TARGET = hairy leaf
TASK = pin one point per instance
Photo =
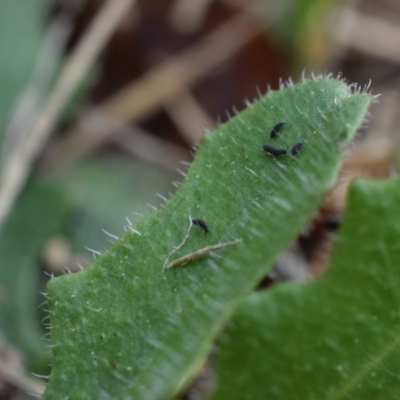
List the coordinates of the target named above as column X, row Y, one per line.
column 127, row 327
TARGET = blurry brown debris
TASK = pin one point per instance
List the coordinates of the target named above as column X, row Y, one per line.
column 369, row 34
column 13, row 376
column 158, row 87
column 372, row 157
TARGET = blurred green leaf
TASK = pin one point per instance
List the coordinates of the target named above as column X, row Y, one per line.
column 104, row 192
column 336, row 338
column 302, row 27
column 39, row 213
column 20, row 35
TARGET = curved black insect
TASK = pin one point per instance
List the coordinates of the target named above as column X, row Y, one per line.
column 276, row 129
column 199, row 222
column 296, row 148
column 274, row 151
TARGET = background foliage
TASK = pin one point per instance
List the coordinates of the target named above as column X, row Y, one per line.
column 90, row 137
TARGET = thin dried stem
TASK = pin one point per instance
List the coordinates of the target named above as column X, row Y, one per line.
column 176, row 248
column 19, row 380
column 201, row 252
column 18, row 166
column 158, row 86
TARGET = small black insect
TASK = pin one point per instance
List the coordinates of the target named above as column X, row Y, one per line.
column 201, row 224
column 273, row 150
column 296, row 148
column 276, row 129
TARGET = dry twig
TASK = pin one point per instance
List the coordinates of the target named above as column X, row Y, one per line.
column 19, row 164
column 158, row 86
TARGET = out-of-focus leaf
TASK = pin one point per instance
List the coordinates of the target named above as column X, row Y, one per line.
column 20, row 34
column 39, row 213
column 303, row 26
column 104, row 193
column 336, row 338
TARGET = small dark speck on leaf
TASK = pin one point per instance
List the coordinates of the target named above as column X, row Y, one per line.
column 199, row 222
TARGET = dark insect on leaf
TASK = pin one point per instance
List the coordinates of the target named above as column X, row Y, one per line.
column 276, row 129
column 273, row 150
column 296, row 148
column 201, row 224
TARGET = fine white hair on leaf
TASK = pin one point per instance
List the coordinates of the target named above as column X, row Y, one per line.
column 251, row 171
column 176, row 183
column 176, row 248
column 354, row 88
column 121, row 378
column 50, row 275
column 322, row 114
column 151, row 206
column 181, row 172
column 258, row 91
column 375, row 98
column 95, row 253
column 161, row 197
column 132, row 229
column 256, row 203
column 110, row 235
column 42, row 304
column 128, row 221
column 367, row 86
column 33, row 394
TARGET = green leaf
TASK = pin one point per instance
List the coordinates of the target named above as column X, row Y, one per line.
column 20, row 35
column 335, row 338
column 126, row 327
column 104, row 192
column 39, row 213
